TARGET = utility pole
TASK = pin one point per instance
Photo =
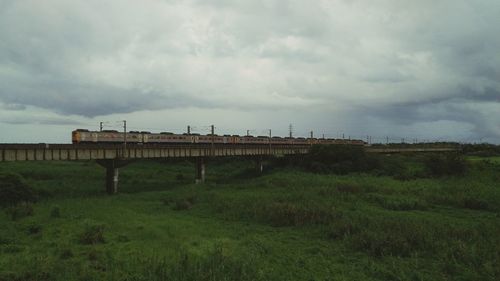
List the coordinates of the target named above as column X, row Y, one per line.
column 124, row 137
column 343, row 136
column 189, row 130
column 387, row 140
column 270, row 136
column 323, row 136
column 248, row 133
column 213, row 136
column 100, row 126
column 290, row 129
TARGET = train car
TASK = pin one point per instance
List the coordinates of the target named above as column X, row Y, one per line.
column 255, row 140
column 167, row 137
column 277, row 140
column 300, row 141
column 312, row 141
column 144, row 137
column 235, row 139
column 106, row 136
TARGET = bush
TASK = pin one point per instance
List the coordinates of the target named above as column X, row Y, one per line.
column 445, row 164
column 180, row 177
column 55, row 212
column 12, row 248
column 348, row 188
column 289, row 214
column 182, row 205
column 34, row 229
column 340, row 159
column 475, row 204
column 66, row 254
column 93, row 233
column 20, row 210
column 383, row 237
column 122, row 238
column 13, row 190
column 398, row 203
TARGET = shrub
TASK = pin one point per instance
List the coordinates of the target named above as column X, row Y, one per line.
column 185, row 203
column 93, row 233
column 445, row 164
column 182, row 205
column 398, row 203
column 12, row 248
column 20, row 210
column 386, row 236
column 343, row 228
column 34, row 229
column 289, row 214
column 340, row 159
column 122, row 238
column 180, row 177
column 166, row 201
column 475, row 204
column 348, row 188
column 93, row 254
column 55, row 212
column 66, row 254
column 13, row 190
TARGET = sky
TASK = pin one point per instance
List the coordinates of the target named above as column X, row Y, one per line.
column 389, row 69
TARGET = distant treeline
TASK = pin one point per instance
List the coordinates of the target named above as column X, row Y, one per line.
column 420, row 144
column 345, row 159
column 483, row 149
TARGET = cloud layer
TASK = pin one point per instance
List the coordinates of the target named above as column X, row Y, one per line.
column 389, row 64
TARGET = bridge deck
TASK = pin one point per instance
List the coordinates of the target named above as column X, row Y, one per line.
column 54, row 152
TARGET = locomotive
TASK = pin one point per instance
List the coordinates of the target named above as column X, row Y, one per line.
column 83, row 136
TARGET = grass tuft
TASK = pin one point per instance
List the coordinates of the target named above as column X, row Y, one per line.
column 21, row 210
column 92, row 233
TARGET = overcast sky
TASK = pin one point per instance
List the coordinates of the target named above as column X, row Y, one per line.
column 414, row 69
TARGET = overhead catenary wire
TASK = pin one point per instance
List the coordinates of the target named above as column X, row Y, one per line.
column 318, row 133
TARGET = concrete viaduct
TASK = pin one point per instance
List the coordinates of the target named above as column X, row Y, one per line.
column 114, row 156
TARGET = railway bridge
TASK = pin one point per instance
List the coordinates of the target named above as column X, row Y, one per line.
column 114, row 156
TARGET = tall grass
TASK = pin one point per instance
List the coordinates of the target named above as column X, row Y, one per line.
column 215, row 265
column 286, row 224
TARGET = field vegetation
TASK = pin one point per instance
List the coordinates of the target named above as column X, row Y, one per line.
column 336, row 214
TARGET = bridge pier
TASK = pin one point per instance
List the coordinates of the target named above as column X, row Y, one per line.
column 259, row 165
column 112, row 171
column 200, row 170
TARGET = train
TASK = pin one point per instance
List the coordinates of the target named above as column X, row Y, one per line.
column 84, row 136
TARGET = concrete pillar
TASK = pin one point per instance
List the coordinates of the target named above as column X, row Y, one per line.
column 259, row 165
column 112, row 172
column 111, row 179
column 200, row 170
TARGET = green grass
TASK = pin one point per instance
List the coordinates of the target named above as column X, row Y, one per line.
column 495, row 160
column 284, row 225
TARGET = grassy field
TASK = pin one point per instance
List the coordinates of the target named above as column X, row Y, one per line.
column 495, row 160
column 287, row 224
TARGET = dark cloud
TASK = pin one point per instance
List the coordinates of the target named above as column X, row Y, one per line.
column 13, row 107
column 30, row 120
column 90, row 100
column 399, row 63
